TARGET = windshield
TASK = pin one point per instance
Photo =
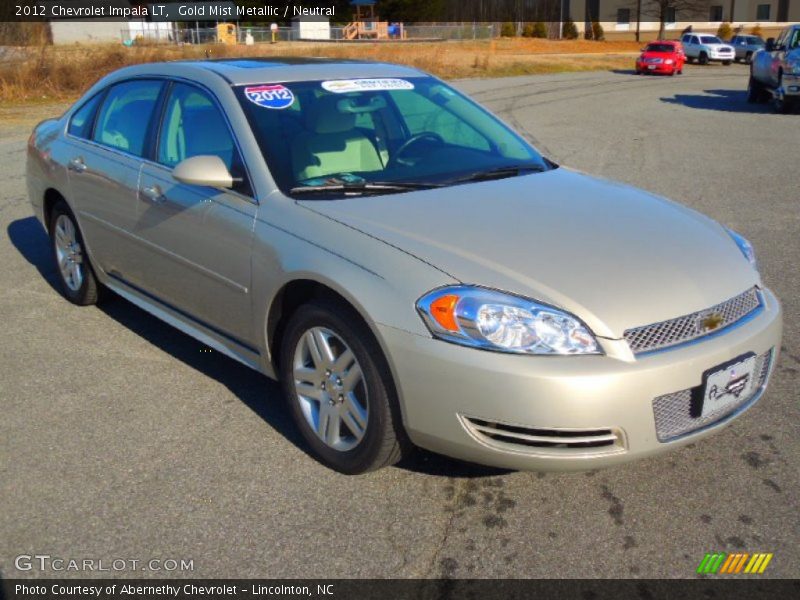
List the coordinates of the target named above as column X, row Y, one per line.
column 669, row 48
column 710, row 39
column 756, row 41
column 378, row 131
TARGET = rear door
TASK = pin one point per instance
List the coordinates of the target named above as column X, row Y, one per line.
column 106, row 140
column 196, row 240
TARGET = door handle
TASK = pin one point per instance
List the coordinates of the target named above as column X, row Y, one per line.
column 153, row 193
column 77, row 165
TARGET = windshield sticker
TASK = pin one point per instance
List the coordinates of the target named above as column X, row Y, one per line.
column 273, row 96
column 344, row 86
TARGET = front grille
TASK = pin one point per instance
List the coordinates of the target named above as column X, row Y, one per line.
column 539, row 440
column 689, row 327
column 673, row 412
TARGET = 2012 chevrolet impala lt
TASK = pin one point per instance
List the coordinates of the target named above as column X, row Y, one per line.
column 413, row 271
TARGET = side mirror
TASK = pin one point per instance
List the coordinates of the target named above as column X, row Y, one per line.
column 770, row 45
column 203, row 170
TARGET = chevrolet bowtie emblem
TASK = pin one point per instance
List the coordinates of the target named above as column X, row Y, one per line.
column 709, row 322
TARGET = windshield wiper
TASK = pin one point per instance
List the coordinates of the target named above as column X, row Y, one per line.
column 500, row 173
column 366, row 187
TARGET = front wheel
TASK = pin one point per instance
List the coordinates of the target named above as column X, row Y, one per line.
column 727, row 63
column 755, row 91
column 748, row 58
column 703, row 60
column 78, row 282
column 339, row 389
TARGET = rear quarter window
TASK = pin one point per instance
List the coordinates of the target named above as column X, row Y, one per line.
column 80, row 125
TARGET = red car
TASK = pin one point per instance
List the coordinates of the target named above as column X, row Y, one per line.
column 663, row 56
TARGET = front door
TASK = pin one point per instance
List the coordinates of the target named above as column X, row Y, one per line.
column 196, row 240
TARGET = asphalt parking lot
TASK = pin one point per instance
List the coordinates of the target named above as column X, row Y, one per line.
column 122, row 438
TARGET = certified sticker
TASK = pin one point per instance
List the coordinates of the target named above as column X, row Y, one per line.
column 344, row 86
column 273, row 96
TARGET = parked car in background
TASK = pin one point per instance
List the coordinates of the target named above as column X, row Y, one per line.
column 663, row 56
column 775, row 71
column 745, row 46
column 411, row 269
column 705, row 48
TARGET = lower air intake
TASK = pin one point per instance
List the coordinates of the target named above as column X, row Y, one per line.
column 540, row 440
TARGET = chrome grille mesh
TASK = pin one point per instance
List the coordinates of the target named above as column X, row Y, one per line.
column 688, row 327
column 673, row 411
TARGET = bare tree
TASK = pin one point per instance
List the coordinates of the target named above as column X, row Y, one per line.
column 659, row 10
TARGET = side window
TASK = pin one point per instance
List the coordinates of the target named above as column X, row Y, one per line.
column 194, row 126
column 80, row 125
column 125, row 115
column 794, row 40
column 422, row 115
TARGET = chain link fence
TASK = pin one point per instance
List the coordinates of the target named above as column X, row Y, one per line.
column 263, row 35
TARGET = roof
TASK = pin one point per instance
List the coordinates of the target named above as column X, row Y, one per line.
column 240, row 71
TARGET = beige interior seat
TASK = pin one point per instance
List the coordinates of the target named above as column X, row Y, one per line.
column 332, row 144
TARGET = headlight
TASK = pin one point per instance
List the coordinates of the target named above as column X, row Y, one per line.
column 745, row 246
column 483, row 318
column 668, row 61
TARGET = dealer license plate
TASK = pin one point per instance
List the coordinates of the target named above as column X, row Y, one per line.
column 729, row 384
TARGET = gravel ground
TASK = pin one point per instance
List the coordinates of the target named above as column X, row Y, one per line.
column 121, row 438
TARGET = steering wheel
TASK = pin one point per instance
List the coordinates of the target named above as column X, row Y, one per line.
column 429, row 135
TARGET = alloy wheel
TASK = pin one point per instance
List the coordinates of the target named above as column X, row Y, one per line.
column 69, row 253
column 330, row 389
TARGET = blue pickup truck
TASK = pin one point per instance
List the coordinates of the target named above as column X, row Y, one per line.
column 775, row 71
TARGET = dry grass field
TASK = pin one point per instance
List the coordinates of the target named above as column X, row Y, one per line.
column 62, row 72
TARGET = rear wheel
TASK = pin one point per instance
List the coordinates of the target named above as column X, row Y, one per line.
column 75, row 274
column 703, row 59
column 339, row 389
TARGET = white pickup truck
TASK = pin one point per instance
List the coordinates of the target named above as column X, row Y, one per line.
column 706, row 48
column 775, row 71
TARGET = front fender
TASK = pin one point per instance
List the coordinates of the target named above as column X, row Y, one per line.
column 381, row 282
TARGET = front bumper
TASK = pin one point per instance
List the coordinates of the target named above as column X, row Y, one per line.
column 722, row 56
column 655, row 67
column 791, row 85
column 449, row 392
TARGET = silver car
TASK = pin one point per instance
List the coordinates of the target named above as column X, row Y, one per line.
column 745, row 46
column 410, row 269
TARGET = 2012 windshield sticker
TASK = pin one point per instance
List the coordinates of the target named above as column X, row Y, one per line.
column 344, row 86
column 273, row 96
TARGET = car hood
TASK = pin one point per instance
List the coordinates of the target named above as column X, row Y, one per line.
column 614, row 255
column 718, row 46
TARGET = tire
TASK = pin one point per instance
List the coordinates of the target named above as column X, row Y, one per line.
column 727, row 63
column 349, row 418
column 748, row 58
column 690, row 60
column 75, row 274
column 703, row 58
column 755, row 91
column 781, row 103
